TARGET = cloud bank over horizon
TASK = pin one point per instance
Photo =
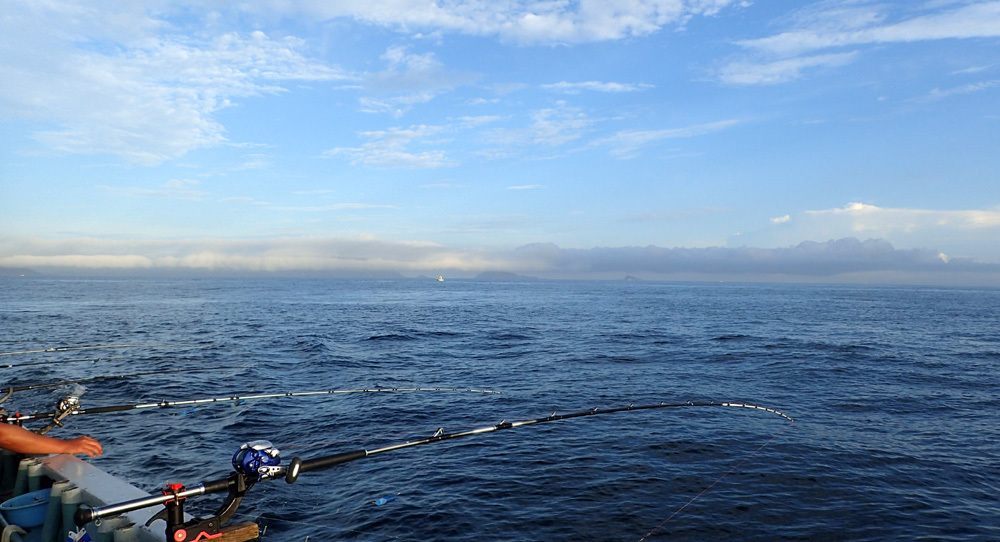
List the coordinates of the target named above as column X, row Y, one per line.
column 842, row 260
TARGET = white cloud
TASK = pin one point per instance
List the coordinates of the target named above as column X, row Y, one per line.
column 549, row 127
column 115, row 82
column 596, row 86
column 237, row 255
column 865, row 218
column 835, row 24
column 839, row 24
column 181, row 189
column 558, row 125
column 781, row 219
column 625, row 144
column 973, row 69
column 254, row 162
column 473, row 122
column 961, row 232
column 940, row 94
column 523, row 21
column 335, row 207
column 410, row 79
column 389, row 148
column 780, row 71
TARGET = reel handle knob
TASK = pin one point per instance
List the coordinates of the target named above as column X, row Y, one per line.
column 292, row 472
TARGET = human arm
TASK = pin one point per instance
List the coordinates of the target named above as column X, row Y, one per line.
column 20, row 440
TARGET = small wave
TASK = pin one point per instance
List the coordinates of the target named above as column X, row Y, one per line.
column 392, row 337
column 844, row 348
column 509, row 337
column 618, row 359
column 733, row 337
column 441, row 334
column 310, row 346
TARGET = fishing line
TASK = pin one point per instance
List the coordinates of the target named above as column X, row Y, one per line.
column 92, row 360
column 8, row 391
column 17, row 418
column 383, row 436
column 713, row 484
column 297, row 465
column 101, row 346
column 327, row 528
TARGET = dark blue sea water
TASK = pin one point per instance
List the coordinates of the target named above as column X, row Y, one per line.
column 894, row 392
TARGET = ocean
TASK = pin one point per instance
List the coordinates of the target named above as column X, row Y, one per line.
column 893, row 390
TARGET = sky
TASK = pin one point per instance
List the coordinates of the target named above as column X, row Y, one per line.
column 833, row 140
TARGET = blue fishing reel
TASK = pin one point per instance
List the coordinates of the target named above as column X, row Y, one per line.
column 256, row 460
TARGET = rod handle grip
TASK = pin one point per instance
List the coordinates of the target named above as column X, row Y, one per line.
column 83, row 515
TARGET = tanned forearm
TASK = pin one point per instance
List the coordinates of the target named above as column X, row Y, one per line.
column 20, row 440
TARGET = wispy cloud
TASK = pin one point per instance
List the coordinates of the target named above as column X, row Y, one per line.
column 254, row 162
column 548, row 128
column 838, row 24
column 780, row 71
column 473, row 122
column 523, row 21
column 940, row 94
column 559, row 125
column 973, row 69
column 246, row 199
column 596, row 86
column 333, row 207
column 181, row 189
column 115, row 83
column 833, row 25
column 390, row 148
column 626, row 143
column 408, row 80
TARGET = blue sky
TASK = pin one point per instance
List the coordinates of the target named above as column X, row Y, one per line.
column 829, row 140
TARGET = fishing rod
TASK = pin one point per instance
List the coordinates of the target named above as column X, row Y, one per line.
column 75, row 410
column 103, row 346
column 66, row 405
column 260, row 460
column 92, row 360
column 9, row 391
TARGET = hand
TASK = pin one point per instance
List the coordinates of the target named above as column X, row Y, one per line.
column 84, row 445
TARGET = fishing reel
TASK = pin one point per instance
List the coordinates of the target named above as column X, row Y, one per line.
column 257, row 459
column 65, row 407
column 254, row 461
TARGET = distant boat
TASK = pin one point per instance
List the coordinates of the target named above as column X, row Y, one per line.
column 440, row 278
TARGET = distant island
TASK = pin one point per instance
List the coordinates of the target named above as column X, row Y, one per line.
column 502, row 275
column 630, row 278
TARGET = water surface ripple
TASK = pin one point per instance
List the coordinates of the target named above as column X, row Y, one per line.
column 893, row 389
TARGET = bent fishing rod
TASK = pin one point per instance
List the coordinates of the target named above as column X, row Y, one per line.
column 260, row 460
column 94, row 360
column 72, row 407
column 103, row 346
column 66, row 405
column 9, row 390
